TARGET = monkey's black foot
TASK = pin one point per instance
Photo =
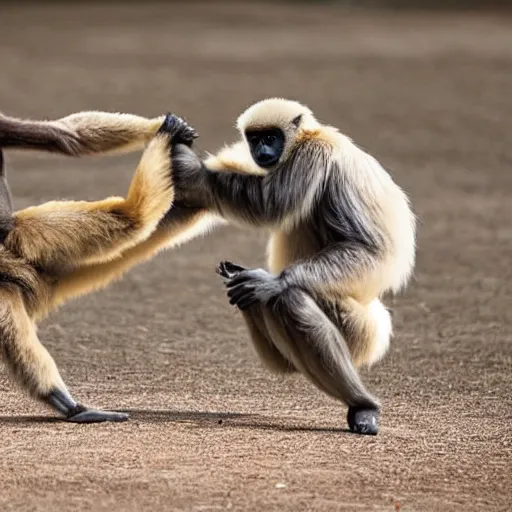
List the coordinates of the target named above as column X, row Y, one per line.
column 178, row 130
column 84, row 415
column 228, row 270
column 363, row 421
column 63, row 402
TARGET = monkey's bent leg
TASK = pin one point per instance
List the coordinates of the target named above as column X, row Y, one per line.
column 34, row 369
column 304, row 334
column 78, row 134
column 260, row 336
column 73, row 233
column 266, row 349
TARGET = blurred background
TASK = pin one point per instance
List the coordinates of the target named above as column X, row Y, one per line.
column 423, row 86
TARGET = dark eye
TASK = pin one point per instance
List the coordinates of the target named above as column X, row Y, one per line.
column 269, row 139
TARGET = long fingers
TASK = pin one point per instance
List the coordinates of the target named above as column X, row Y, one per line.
column 242, row 296
column 228, row 270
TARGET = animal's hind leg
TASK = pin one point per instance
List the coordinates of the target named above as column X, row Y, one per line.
column 304, row 334
column 262, row 341
column 58, row 234
column 265, row 348
column 178, row 226
column 34, row 369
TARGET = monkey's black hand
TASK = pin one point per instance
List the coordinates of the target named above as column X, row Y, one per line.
column 178, row 130
column 228, row 270
column 249, row 287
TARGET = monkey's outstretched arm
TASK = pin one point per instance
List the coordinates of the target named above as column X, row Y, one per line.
column 58, row 236
column 266, row 199
column 83, row 133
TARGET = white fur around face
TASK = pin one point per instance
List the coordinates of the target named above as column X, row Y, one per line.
column 276, row 112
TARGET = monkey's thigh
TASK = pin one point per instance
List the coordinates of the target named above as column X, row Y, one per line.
column 262, row 341
column 304, row 334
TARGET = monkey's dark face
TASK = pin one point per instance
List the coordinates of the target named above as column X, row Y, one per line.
column 266, row 146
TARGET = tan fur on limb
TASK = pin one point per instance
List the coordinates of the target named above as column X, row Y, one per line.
column 81, row 133
column 179, row 226
column 84, row 232
column 53, row 241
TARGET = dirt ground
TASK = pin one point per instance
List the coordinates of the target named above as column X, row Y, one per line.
column 430, row 96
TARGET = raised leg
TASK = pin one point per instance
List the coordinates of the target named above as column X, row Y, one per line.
column 82, row 133
column 62, row 235
column 178, row 225
column 34, row 369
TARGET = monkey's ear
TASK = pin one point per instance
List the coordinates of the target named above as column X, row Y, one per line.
column 296, row 121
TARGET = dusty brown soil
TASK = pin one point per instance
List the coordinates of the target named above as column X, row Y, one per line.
column 430, row 95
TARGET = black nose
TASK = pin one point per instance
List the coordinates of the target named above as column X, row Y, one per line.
column 266, row 157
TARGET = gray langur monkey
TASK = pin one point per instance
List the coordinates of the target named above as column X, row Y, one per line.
column 342, row 234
